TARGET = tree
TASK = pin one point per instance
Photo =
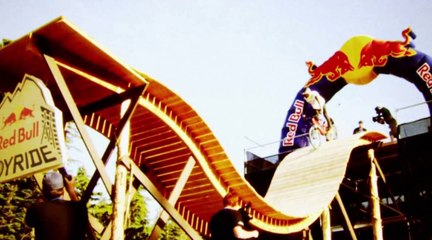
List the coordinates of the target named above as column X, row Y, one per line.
column 137, row 227
column 5, row 42
column 15, row 197
column 173, row 231
column 98, row 206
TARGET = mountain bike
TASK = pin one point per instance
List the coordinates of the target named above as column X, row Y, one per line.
column 321, row 130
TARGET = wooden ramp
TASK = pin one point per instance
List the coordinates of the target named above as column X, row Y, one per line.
column 174, row 154
column 307, row 180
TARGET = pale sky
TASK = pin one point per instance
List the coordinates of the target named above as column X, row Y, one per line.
column 240, row 63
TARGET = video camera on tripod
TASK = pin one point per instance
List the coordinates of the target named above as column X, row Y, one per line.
column 378, row 119
column 244, row 211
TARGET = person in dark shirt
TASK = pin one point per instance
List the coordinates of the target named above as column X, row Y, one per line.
column 54, row 217
column 384, row 116
column 360, row 128
column 228, row 223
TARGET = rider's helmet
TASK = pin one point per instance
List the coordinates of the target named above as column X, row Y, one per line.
column 307, row 94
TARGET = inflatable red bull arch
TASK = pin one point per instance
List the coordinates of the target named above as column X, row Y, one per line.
column 359, row 61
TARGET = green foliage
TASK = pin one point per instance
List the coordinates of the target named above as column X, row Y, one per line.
column 173, row 231
column 98, row 206
column 5, row 42
column 101, row 209
column 15, row 197
column 137, row 221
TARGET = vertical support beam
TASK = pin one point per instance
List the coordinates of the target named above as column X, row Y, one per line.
column 78, row 121
column 375, row 201
column 134, row 96
column 175, row 194
column 157, row 195
column 119, row 206
column 326, row 224
column 345, row 214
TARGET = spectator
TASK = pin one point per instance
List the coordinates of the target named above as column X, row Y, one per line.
column 54, row 217
column 360, row 128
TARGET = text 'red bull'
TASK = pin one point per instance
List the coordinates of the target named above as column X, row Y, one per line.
column 292, row 123
column 19, row 135
column 424, row 72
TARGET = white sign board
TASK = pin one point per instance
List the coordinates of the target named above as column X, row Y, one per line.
column 31, row 131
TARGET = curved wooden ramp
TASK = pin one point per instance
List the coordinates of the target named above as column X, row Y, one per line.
column 307, row 180
column 174, row 154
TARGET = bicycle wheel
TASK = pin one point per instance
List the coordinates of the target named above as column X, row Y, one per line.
column 332, row 134
column 314, row 137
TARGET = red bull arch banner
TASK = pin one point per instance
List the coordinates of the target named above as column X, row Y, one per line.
column 359, row 61
column 31, row 131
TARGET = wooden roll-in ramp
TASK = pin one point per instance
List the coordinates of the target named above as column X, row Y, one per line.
column 173, row 153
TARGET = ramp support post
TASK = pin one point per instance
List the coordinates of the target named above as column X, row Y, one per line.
column 119, row 206
column 375, row 200
column 163, row 217
column 326, row 224
column 346, row 217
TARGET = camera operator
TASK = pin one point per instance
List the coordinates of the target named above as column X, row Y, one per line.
column 384, row 116
column 229, row 223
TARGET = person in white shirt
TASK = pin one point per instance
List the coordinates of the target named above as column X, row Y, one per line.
column 318, row 103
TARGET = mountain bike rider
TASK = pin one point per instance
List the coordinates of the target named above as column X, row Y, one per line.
column 318, row 103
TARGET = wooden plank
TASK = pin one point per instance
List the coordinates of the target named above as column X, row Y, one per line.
column 308, row 179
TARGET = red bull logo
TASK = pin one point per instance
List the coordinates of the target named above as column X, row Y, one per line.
column 357, row 58
column 376, row 52
column 26, row 113
column 12, row 118
column 424, row 71
column 292, row 123
column 31, row 137
column 333, row 68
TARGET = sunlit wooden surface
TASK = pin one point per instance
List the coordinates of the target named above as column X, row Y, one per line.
column 166, row 132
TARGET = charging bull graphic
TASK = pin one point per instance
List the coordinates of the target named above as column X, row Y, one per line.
column 26, row 113
column 359, row 61
column 11, row 119
column 377, row 52
column 334, row 68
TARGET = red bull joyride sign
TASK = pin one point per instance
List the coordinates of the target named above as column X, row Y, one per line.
column 31, row 131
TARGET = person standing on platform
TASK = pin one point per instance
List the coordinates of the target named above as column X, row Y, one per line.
column 228, row 223
column 54, row 217
column 384, row 116
column 360, row 128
